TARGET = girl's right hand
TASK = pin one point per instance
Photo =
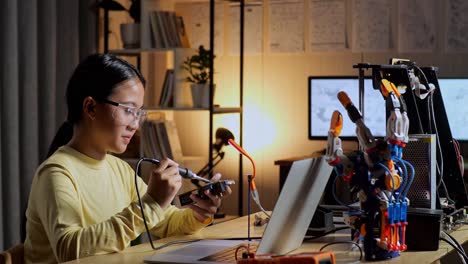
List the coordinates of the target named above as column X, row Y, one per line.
column 164, row 182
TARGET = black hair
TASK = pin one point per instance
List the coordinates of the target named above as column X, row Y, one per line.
column 96, row 76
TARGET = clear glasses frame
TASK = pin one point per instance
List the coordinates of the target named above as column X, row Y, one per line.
column 129, row 115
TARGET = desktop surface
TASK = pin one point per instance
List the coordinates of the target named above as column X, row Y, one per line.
column 238, row 228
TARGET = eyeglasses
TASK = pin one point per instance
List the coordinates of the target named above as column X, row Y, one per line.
column 125, row 114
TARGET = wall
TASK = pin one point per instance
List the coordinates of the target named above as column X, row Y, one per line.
column 276, row 96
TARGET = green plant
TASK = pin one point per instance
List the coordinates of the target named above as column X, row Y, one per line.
column 134, row 10
column 198, row 66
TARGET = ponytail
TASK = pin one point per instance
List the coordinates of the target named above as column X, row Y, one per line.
column 63, row 136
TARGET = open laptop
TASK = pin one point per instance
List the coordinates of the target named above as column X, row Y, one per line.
column 287, row 227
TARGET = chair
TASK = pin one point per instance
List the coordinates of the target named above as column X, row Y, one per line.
column 13, row 255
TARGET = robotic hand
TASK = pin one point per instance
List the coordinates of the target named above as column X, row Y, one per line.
column 398, row 122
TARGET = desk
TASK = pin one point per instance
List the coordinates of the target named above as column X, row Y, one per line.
column 238, row 228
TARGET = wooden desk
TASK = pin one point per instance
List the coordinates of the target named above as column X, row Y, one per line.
column 238, row 228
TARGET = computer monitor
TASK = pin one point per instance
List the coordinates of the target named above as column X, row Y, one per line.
column 455, row 95
column 323, row 101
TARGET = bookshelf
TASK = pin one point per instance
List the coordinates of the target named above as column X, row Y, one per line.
column 176, row 55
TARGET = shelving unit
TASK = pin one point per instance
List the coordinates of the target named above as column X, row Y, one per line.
column 212, row 109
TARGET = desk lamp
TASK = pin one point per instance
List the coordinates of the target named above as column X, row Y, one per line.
column 222, row 136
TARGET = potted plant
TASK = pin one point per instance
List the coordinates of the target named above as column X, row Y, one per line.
column 130, row 32
column 198, row 69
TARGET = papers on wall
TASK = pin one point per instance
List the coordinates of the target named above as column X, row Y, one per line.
column 200, row 27
column 286, row 26
column 371, row 25
column 416, row 26
column 253, row 29
column 327, row 25
column 457, row 26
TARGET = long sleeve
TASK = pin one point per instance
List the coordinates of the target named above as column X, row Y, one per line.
column 60, row 211
column 79, row 207
column 175, row 222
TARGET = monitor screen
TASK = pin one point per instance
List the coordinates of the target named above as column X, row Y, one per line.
column 323, row 101
column 455, row 97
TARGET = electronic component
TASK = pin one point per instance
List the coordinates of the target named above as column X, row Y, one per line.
column 455, row 219
column 417, row 236
column 216, row 188
column 323, row 257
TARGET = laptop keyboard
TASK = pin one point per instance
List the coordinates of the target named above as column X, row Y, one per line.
column 228, row 254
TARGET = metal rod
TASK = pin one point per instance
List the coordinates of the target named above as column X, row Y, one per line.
column 211, row 74
column 241, row 102
column 106, row 31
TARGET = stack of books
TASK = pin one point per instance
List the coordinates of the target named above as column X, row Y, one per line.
column 167, row 30
column 161, row 139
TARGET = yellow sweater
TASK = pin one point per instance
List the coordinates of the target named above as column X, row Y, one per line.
column 79, row 206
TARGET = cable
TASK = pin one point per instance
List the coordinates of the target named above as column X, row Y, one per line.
column 405, row 176
column 423, row 74
column 391, row 176
column 141, row 205
column 460, row 253
column 459, row 247
column 447, row 193
column 344, row 242
column 455, row 241
column 326, row 233
column 440, row 169
column 412, row 176
column 441, row 172
column 338, row 200
column 459, row 156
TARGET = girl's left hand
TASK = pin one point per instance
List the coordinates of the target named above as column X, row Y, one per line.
column 204, row 209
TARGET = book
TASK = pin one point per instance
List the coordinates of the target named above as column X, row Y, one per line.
column 164, row 140
column 181, row 31
column 167, row 90
column 170, row 28
column 174, row 140
column 164, row 88
column 162, row 28
column 156, row 34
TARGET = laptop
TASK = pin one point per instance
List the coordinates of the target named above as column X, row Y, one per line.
column 288, row 224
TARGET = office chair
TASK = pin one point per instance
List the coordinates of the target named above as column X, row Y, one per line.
column 13, row 255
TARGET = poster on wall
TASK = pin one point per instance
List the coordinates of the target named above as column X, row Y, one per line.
column 457, row 26
column 327, row 25
column 416, row 26
column 253, row 29
column 200, row 26
column 371, row 25
column 286, row 26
